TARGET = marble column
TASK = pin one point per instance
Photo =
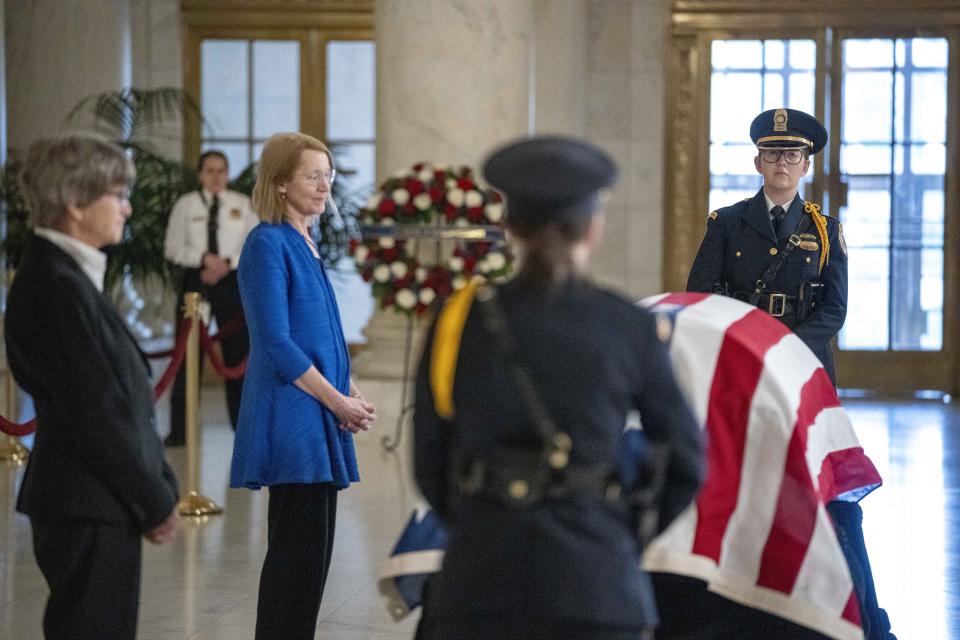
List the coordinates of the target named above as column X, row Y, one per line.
column 454, row 80
column 57, row 53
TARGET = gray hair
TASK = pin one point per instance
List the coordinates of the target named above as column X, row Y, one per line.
column 73, row 169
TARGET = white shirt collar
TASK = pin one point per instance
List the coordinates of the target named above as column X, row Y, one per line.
column 91, row 260
column 771, row 204
column 208, row 196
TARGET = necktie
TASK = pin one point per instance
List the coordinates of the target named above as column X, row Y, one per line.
column 777, row 212
column 212, row 246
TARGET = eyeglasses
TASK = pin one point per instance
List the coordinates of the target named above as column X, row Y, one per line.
column 122, row 195
column 316, row 178
column 790, row 156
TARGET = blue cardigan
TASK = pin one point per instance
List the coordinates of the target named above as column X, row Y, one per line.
column 285, row 435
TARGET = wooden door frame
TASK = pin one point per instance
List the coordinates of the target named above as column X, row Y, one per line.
column 694, row 25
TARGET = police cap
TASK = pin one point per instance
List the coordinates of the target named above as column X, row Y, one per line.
column 549, row 177
column 788, row 128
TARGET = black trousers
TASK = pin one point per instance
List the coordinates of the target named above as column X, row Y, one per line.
column 224, row 298
column 301, row 522
column 93, row 571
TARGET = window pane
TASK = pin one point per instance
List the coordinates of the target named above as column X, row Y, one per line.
column 928, row 159
column 276, row 87
column 773, row 54
column 774, row 95
column 866, row 218
column 733, row 159
column 223, row 87
column 869, row 294
column 868, row 54
column 730, row 118
column 351, row 96
column 929, row 124
column 867, row 107
column 356, row 170
column 238, row 154
column 929, row 52
column 803, row 54
column 737, row 54
column 918, row 314
column 867, row 159
column 802, row 92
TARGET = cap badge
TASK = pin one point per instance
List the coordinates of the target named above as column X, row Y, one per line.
column 780, row 120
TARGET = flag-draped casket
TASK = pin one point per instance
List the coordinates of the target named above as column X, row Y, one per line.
column 779, row 447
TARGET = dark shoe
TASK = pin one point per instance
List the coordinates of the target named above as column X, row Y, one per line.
column 170, row 441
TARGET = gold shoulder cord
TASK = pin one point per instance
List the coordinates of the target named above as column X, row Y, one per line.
column 820, row 221
column 446, row 347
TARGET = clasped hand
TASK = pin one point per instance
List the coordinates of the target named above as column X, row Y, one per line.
column 355, row 413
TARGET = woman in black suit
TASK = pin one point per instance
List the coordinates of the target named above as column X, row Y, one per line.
column 96, row 481
column 518, row 424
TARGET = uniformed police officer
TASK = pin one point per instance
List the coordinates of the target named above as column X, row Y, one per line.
column 776, row 250
column 205, row 234
column 782, row 254
column 522, row 395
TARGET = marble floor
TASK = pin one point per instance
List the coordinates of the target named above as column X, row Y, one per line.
column 204, row 585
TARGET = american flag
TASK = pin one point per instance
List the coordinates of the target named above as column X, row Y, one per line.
column 780, row 447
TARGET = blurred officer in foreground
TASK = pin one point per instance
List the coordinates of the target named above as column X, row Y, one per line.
column 96, row 481
column 522, row 396
column 776, row 250
column 782, row 254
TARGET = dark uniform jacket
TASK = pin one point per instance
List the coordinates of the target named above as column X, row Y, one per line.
column 739, row 246
column 593, row 358
column 97, row 454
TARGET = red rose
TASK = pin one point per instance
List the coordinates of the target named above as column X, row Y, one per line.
column 409, row 209
column 475, row 214
column 469, row 263
column 436, row 194
column 366, row 274
column 414, row 187
column 420, row 308
column 465, row 184
column 353, row 244
column 449, row 211
column 389, row 255
column 439, row 176
column 494, row 196
column 387, row 207
column 418, row 167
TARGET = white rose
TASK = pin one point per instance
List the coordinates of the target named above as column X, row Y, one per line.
column 427, row 295
column 399, row 269
column 461, row 222
column 455, row 263
column 483, row 266
column 387, row 222
column 420, row 274
column 496, row 260
column 374, row 201
column 360, row 254
column 451, row 183
column 400, row 196
column 473, row 198
column 455, row 197
column 400, row 174
column 459, row 283
column 494, row 211
column 422, row 201
column 425, row 175
column 406, row 299
column 381, row 273
column 387, row 242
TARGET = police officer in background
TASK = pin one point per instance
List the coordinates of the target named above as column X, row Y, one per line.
column 776, row 250
column 204, row 237
column 782, row 254
column 522, row 395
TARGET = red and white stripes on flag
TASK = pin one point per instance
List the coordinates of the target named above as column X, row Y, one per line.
column 779, row 447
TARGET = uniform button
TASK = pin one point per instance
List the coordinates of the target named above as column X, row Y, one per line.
column 773, row 251
column 808, row 258
column 738, row 254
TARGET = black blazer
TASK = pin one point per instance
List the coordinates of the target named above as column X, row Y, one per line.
column 594, row 357
column 97, row 454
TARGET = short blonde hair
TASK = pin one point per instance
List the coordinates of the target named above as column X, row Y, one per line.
column 73, row 169
column 278, row 160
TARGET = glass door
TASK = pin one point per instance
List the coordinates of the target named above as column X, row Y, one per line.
column 890, row 135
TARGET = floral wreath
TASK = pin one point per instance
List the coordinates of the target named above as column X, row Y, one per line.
column 434, row 196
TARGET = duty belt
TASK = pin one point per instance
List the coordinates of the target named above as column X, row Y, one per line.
column 776, row 304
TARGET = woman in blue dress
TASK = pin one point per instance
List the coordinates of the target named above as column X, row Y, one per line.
column 299, row 408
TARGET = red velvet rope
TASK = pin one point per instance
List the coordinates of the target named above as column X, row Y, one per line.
column 17, row 430
column 227, row 373
column 181, row 331
column 178, row 353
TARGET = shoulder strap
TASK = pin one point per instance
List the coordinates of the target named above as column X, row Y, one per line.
column 774, row 267
column 446, row 347
column 820, row 221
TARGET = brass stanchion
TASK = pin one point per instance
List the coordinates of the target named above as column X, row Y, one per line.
column 194, row 504
column 10, row 448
